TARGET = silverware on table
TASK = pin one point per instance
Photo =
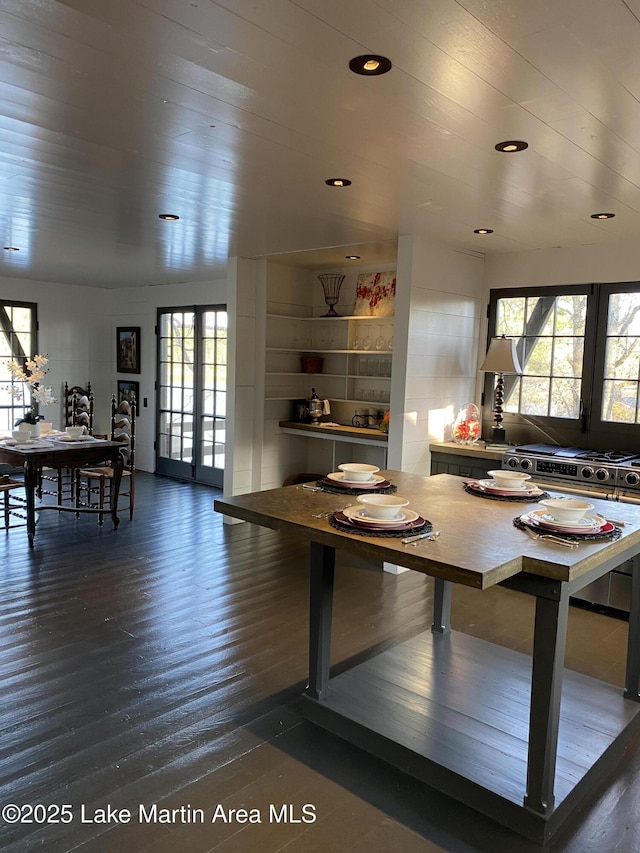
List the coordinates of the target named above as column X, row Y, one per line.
column 550, row 537
column 616, row 522
column 330, row 511
column 432, row 534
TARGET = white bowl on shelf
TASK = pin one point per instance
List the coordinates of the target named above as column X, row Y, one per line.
column 382, row 506
column 506, row 479
column 567, row 510
column 358, row 472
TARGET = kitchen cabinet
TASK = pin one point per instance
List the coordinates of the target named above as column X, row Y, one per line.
column 464, row 460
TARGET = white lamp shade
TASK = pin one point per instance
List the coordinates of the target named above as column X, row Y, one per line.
column 501, row 357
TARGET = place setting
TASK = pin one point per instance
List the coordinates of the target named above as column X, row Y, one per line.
column 382, row 516
column 568, row 519
column 355, row 478
column 23, row 439
column 505, row 485
column 73, row 434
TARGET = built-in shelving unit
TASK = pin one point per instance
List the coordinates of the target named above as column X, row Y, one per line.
column 356, row 353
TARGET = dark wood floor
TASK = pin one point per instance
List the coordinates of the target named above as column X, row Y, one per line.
column 163, row 663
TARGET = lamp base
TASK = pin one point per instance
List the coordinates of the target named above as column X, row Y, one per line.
column 498, row 435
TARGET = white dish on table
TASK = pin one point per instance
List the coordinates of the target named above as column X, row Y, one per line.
column 566, row 510
column 383, row 506
column 360, row 514
column 358, row 472
column 588, row 524
column 507, row 479
column 340, row 477
column 492, row 486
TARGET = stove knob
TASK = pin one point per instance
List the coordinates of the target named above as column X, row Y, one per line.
column 602, row 474
column 632, row 479
column 526, row 464
column 587, row 472
column 512, row 462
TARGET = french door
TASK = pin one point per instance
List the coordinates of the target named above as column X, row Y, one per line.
column 192, row 393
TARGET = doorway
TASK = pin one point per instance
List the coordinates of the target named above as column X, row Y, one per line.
column 192, row 393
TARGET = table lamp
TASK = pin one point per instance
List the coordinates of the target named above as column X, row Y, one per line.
column 501, row 358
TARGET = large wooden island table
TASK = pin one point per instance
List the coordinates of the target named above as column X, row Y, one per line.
column 519, row 738
column 59, row 455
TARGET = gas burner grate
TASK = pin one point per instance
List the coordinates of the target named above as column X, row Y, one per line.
column 613, row 457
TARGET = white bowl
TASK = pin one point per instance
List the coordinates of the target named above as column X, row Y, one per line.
column 506, row 479
column 45, row 427
column 382, row 506
column 567, row 510
column 74, row 431
column 21, row 436
column 358, row 472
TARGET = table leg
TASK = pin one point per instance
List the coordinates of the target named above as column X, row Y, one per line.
column 117, row 464
column 322, row 562
column 549, row 641
column 441, row 606
column 632, row 679
column 31, row 476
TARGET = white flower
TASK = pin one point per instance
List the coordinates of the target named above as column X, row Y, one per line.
column 31, row 374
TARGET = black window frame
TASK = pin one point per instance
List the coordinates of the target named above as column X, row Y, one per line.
column 588, row 430
column 17, row 409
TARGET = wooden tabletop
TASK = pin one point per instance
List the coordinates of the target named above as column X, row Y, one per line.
column 479, row 545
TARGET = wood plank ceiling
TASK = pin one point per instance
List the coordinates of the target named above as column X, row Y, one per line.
column 232, row 114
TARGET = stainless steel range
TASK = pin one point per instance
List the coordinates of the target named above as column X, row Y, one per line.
column 611, row 475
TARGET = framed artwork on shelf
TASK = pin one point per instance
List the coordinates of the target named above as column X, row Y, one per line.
column 127, row 390
column 375, row 294
column 128, row 349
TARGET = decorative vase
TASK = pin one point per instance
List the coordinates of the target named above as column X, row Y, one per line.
column 331, row 284
column 466, row 428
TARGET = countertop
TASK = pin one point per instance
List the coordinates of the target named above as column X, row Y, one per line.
column 337, row 430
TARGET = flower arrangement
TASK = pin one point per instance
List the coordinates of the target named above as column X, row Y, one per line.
column 384, row 423
column 467, row 426
column 30, row 374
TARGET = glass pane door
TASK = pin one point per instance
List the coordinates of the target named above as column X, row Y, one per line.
column 192, row 359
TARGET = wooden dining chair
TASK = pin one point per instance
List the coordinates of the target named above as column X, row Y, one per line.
column 95, row 483
column 77, row 410
column 12, row 504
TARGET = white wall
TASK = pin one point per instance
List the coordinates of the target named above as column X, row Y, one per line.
column 438, row 310
column 575, row 265
column 77, row 330
column 137, row 306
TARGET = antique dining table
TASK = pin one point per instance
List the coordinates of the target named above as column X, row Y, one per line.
column 517, row 737
column 58, row 454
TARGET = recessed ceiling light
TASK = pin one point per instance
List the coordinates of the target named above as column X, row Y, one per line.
column 338, row 182
column 602, row 215
column 352, row 257
column 370, row 65
column 511, row 145
column 483, row 230
column 169, row 217
column 11, row 249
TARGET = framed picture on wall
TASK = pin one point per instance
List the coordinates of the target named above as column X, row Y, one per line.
column 127, row 391
column 128, row 349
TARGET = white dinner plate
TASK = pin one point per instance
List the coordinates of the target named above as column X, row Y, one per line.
column 339, row 477
column 70, row 438
column 404, row 516
column 492, row 486
column 587, row 524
